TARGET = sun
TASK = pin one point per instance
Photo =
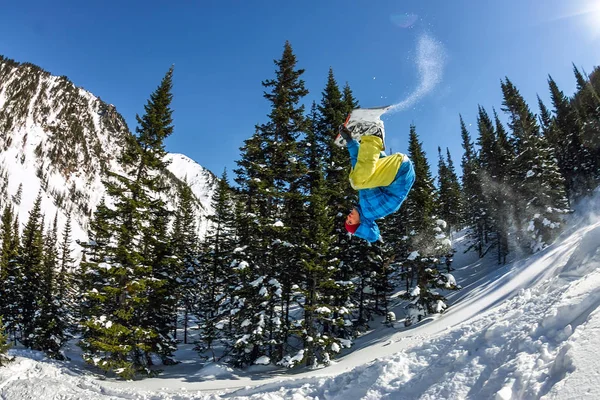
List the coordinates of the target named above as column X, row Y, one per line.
column 584, row 13
column 587, row 12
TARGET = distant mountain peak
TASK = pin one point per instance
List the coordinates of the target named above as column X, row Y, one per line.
column 60, row 140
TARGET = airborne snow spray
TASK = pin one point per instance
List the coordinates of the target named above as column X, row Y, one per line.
column 430, row 61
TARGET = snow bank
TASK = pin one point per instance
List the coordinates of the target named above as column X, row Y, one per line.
column 530, row 329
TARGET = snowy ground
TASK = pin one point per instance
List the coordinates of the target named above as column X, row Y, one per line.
column 527, row 330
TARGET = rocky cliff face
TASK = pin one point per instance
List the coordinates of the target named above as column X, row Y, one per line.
column 60, row 140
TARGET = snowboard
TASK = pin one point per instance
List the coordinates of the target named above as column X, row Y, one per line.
column 363, row 121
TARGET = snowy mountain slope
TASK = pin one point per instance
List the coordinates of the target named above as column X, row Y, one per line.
column 60, row 140
column 202, row 182
column 528, row 330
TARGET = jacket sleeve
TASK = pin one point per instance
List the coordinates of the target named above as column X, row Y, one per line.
column 353, row 150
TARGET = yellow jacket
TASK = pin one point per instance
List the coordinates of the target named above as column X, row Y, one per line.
column 370, row 169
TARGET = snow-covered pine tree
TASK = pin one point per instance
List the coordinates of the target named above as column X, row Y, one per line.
column 219, row 244
column 269, row 174
column 11, row 274
column 427, row 242
column 454, row 196
column 350, row 102
column 594, row 78
column 131, row 261
column 161, row 311
column 17, row 197
column 330, row 114
column 443, row 184
column 535, row 177
column 502, row 201
column 250, row 256
column 184, row 241
column 368, row 274
column 105, row 343
column 394, row 251
column 31, row 263
column 7, row 253
column 349, row 253
column 4, row 197
column 587, row 101
column 332, row 111
column 575, row 160
column 449, row 200
column 51, row 323
column 488, row 178
column 474, row 203
column 4, row 345
column 554, row 137
column 87, row 278
column 316, row 294
column 65, row 280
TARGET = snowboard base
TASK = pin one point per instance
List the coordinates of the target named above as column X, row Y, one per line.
column 363, row 121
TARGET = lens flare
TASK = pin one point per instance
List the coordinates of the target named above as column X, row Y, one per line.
column 406, row 20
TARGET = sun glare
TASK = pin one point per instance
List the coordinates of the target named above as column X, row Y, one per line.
column 589, row 15
column 584, row 13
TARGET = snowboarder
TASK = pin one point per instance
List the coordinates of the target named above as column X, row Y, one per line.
column 383, row 182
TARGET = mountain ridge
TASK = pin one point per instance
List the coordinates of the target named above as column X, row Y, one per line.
column 60, row 140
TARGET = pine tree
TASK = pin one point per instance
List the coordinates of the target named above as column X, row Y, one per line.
column 217, row 257
column 427, row 243
column 486, row 140
column 123, row 324
column 318, row 288
column 184, row 240
column 473, row 196
column 594, row 79
column 487, row 170
column 332, row 111
column 587, row 102
column 502, row 202
column 350, row 253
column 454, row 198
column 17, row 197
column 4, row 345
column 535, row 178
column 6, row 254
column 11, row 274
column 31, row 263
column 269, row 174
column 66, row 291
column 449, row 201
column 51, row 323
column 95, row 251
column 350, row 101
column 575, row 160
column 245, row 344
column 161, row 305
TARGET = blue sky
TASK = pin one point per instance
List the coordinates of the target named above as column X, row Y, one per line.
column 223, row 50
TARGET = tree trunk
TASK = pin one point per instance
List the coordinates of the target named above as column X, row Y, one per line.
column 185, row 324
